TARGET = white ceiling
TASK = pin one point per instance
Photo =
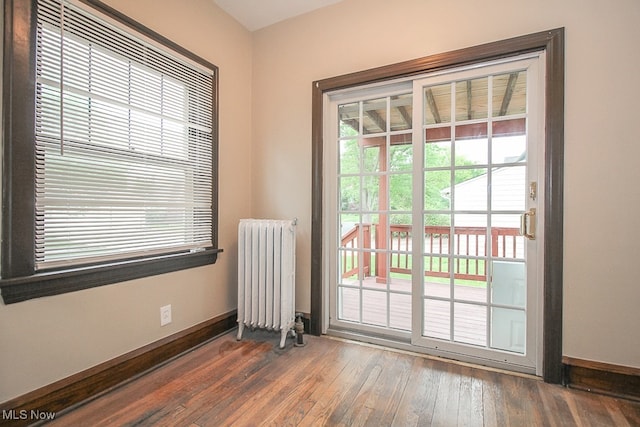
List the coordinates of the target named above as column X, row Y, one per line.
column 256, row 14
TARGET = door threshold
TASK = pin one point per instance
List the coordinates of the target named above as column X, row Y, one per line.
column 404, row 347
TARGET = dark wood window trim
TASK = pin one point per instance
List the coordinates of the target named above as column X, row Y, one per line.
column 19, row 283
column 552, row 42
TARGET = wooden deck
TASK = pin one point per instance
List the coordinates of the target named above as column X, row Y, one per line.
column 331, row 382
column 469, row 319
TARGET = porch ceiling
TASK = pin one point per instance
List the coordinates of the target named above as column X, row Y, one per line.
column 470, row 97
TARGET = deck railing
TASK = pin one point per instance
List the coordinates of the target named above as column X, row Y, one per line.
column 466, row 249
column 351, row 245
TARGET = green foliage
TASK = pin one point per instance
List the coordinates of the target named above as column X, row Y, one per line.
column 363, row 194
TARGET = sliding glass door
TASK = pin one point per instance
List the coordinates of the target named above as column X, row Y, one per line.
column 432, row 206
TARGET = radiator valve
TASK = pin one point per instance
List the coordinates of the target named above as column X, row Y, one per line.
column 299, row 326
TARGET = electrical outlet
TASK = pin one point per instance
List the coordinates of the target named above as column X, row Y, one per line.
column 165, row 315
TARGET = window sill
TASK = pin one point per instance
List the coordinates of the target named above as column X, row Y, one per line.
column 70, row 280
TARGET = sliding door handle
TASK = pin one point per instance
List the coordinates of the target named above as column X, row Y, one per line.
column 528, row 224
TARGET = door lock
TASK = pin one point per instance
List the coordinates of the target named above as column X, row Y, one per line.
column 533, row 190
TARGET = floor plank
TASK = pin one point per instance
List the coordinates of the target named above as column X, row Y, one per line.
column 337, row 383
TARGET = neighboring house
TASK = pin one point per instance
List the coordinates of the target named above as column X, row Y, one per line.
column 472, row 195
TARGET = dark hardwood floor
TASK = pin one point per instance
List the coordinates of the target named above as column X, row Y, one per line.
column 331, row 382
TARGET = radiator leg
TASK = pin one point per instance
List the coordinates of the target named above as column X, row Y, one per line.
column 240, row 330
column 283, row 337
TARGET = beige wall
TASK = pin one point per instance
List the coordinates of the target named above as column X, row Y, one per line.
column 47, row 339
column 265, row 168
column 602, row 292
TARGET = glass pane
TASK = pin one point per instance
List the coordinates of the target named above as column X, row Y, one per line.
column 349, row 224
column 472, row 152
column 470, row 323
column 381, row 263
column 437, row 104
column 472, row 99
column 116, row 136
column 349, row 304
column 173, row 90
column 470, row 241
column 374, row 307
column 506, row 241
column 401, row 158
column 400, row 311
column 369, row 266
column 350, row 193
column 437, row 287
column 470, row 238
column 401, row 112
column 350, row 242
column 508, row 284
column 400, row 277
column 436, row 266
column 348, row 262
column 109, row 76
column 508, row 149
column 470, row 280
column 436, row 241
column 508, row 331
column 400, row 232
column 371, row 193
column 471, row 191
column 374, row 147
column 510, row 94
column 77, row 116
column 374, row 116
column 437, row 319
column 349, row 115
column 471, row 269
column 349, row 160
column 437, row 154
column 400, row 192
column 508, row 188
column 436, row 281
column 400, row 245
column 437, row 190
column 436, row 220
column 373, row 281
column 371, row 223
column 152, row 99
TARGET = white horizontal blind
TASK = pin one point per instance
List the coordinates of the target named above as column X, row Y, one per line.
column 123, row 144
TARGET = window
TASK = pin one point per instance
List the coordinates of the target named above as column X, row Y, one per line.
column 114, row 178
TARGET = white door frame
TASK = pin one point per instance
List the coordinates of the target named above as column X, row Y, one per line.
column 531, row 363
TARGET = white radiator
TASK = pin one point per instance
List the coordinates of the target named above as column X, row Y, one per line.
column 266, row 275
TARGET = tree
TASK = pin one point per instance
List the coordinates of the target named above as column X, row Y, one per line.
column 356, row 160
